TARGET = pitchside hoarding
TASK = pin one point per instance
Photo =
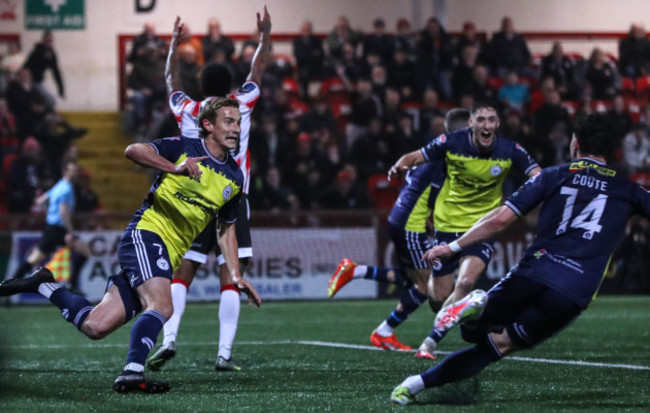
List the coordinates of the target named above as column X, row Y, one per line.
column 288, row 264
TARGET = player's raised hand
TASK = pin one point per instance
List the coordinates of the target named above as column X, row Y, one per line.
column 247, row 288
column 190, row 167
column 437, row 253
column 264, row 22
column 179, row 26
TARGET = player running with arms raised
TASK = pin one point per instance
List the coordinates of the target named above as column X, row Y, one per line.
column 478, row 161
column 407, row 223
column 215, row 81
column 585, row 207
column 198, row 180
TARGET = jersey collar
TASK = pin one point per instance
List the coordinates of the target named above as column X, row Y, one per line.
column 205, row 148
column 587, row 158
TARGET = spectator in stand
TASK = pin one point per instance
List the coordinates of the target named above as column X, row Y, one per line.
column 12, row 61
column 480, row 87
column 348, row 68
column 434, row 128
column 430, row 109
column 26, row 102
column 268, row 146
column 401, row 71
column 243, row 64
column 310, row 56
column 346, row 192
column 319, row 117
column 365, row 106
column 550, row 118
column 216, row 44
column 621, row 120
column 330, row 158
column 9, row 142
column 372, row 153
column 560, row 68
column 187, row 40
column 469, row 37
column 601, row 76
column 147, row 83
column 634, row 52
column 379, row 42
column 42, row 58
column 514, row 94
column 189, row 69
column 462, row 74
column 272, row 196
column 636, row 149
column 434, row 58
column 508, row 51
column 28, row 174
column 403, row 38
column 341, row 34
column 302, row 175
column 404, row 137
column 379, row 79
column 392, row 111
column 86, row 200
column 144, row 41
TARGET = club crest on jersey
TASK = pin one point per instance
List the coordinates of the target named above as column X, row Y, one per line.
column 495, row 170
column 227, row 192
column 441, row 139
column 246, row 88
column 162, row 264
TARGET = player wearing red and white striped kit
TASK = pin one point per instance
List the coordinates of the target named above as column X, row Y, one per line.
column 215, row 81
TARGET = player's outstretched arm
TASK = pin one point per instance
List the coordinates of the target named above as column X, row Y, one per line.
column 491, row 224
column 145, row 155
column 227, row 239
column 261, row 57
column 405, row 163
column 172, row 75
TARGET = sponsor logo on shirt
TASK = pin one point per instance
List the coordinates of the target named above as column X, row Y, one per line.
column 227, row 192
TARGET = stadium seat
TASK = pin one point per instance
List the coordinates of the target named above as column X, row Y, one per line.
column 633, row 108
column 601, row 105
column 643, row 87
column 383, row 192
column 628, row 87
column 572, row 106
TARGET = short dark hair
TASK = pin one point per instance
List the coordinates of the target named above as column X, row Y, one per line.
column 456, row 119
column 215, row 80
column 483, row 104
column 596, row 134
column 210, row 109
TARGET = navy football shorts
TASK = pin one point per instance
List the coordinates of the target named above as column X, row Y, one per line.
column 530, row 311
column 206, row 241
column 409, row 247
column 53, row 238
column 143, row 255
column 483, row 250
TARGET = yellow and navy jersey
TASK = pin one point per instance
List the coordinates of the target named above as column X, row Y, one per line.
column 473, row 185
column 585, row 209
column 178, row 208
column 412, row 208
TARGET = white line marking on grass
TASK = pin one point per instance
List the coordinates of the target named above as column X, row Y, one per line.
column 335, row 345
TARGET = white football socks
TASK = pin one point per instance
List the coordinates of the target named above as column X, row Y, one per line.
column 179, row 297
column 229, row 306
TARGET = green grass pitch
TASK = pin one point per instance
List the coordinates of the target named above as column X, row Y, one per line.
column 315, row 357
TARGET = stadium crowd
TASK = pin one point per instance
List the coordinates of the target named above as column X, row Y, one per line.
column 335, row 114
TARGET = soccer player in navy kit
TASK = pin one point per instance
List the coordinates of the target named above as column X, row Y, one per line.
column 198, row 180
column 585, row 207
column 477, row 160
column 215, row 81
column 408, row 228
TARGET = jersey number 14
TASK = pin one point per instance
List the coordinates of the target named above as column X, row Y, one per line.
column 588, row 219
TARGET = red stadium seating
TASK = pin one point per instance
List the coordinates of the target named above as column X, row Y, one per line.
column 383, row 192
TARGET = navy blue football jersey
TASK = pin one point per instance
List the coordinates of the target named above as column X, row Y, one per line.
column 585, row 209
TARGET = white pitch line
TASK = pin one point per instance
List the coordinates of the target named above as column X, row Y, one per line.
column 335, row 345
